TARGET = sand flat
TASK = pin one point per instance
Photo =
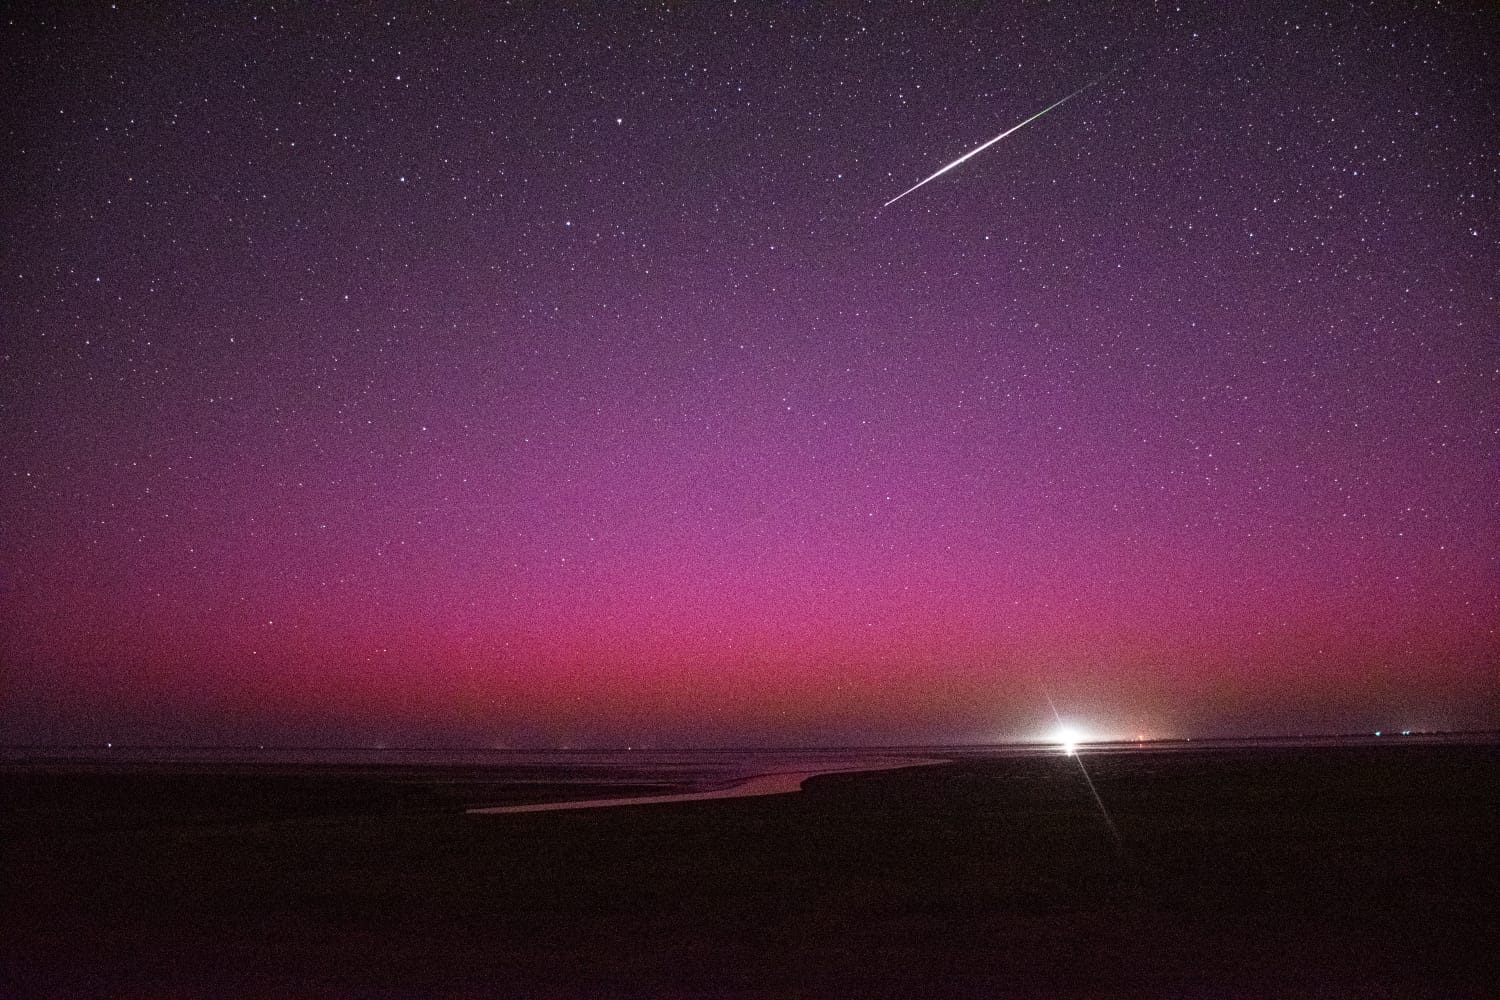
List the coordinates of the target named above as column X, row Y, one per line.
column 1330, row 870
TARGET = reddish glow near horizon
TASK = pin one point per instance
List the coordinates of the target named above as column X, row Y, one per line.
column 546, row 378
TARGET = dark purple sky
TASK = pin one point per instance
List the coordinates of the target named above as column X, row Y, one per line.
column 553, row 376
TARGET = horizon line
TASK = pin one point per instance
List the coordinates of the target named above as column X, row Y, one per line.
column 626, row 748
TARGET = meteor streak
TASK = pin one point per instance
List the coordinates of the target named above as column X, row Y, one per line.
column 979, row 149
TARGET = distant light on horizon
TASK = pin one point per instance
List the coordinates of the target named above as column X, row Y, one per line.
column 1068, row 737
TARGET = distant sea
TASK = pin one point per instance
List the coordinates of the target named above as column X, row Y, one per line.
column 688, row 768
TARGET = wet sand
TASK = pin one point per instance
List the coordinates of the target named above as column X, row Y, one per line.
column 1276, row 872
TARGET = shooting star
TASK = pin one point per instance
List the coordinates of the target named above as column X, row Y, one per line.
column 979, row 149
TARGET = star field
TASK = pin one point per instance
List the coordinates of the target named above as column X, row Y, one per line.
column 551, row 375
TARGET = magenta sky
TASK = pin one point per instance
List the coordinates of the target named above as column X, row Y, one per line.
column 555, row 378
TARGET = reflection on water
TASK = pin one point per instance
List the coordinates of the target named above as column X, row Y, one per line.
column 773, row 783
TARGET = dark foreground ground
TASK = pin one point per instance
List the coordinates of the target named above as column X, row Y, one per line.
column 1360, row 872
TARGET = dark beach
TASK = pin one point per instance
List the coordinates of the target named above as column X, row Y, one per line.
column 1271, row 871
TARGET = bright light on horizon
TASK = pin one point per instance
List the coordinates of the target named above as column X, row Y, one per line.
column 1068, row 737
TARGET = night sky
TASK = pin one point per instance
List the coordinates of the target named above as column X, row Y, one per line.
column 553, row 376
